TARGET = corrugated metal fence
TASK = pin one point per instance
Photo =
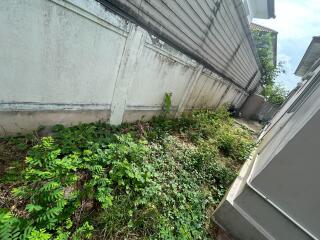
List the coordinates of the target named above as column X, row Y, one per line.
column 213, row 32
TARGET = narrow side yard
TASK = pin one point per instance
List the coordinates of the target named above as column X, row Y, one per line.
column 160, row 179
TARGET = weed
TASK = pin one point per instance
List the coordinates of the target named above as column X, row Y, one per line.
column 167, row 103
column 155, row 180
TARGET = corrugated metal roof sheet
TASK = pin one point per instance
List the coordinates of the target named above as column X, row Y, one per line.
column 213, row 32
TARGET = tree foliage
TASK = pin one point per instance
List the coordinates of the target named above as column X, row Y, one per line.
column 264, row 47
column 274, row 93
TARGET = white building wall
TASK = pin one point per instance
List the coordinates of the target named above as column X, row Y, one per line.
column 76, row 62
column 159, row 72
column 51, row 54
column 276, row 195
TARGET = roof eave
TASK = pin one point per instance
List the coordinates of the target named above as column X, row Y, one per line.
column 271, row 11
column 258, row 27
column 298, row 70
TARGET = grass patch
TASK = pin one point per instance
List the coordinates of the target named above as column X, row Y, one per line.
column 149, row 180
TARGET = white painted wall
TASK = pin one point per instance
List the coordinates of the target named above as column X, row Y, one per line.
column 155, row 74
column 74, row 55
column 277, row 195
column 50, row 54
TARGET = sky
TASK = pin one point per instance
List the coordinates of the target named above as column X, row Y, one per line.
column 296, row 22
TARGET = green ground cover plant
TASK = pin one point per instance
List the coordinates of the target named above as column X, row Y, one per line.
column 159, row 179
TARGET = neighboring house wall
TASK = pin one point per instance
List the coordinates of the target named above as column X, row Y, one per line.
column 73, row 61
column 276, row 195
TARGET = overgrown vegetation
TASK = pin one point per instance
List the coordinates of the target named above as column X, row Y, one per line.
column 274, row 93
column 160, row 179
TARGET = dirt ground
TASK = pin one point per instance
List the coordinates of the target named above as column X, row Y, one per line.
column 9, row 153
column 253, row 126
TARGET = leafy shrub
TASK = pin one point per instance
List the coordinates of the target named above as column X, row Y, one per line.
column 153, row 180
column 235, row 143
column 12, row 227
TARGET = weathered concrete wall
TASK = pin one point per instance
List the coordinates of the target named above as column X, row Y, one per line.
column 51, row 54
column 267, row 112
column 252, row 106
column 12, row 122
column 257, row 108
column 59, row 59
